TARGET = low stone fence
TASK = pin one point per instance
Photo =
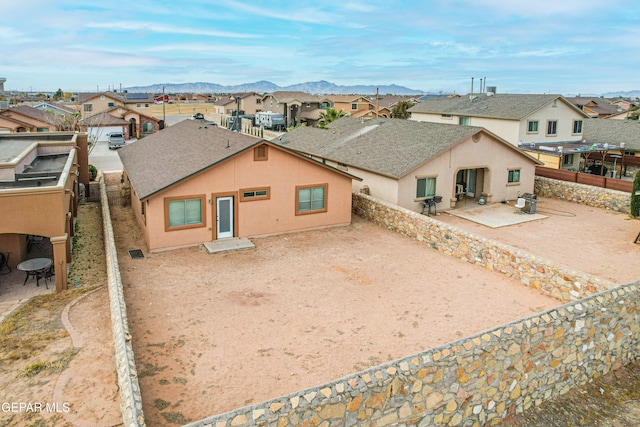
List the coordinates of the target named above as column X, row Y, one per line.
column 481, row 379
column 130, row 397
column 474, row 381
column 546, row 276
column 598, row 197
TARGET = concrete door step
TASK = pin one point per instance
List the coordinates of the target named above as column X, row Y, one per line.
column 228, row 245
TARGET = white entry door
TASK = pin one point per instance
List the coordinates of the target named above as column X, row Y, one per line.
column 224, row 220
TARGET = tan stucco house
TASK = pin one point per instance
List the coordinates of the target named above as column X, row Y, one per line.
column 130, row 113
column 191, row 183
column 617, row 142
column 352, row 105
column 245, row 102
column 40, row 177
column 516, row 118
column 24, row 118
column 407, row 162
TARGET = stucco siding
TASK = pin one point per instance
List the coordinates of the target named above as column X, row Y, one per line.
column 280, row 174
column 515, row 131
column 562, row 113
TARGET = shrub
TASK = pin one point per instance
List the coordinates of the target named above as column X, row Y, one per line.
column 93, row 172
column 635, row 196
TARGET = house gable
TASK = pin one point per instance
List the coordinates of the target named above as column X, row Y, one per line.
column 262, row 180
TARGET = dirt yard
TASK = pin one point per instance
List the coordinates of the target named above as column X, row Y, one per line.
column 215, row 332
column 589, row 239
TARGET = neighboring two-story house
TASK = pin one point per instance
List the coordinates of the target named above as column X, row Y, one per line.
column 245, row 102
column 518, row 119
column 595, row 107
column 353, row 105
column 132, row 108
column 297, row 107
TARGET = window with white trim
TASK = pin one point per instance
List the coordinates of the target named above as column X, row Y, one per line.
column 552, row 127
column 532, row 126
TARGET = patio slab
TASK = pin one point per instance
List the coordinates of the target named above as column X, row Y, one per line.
column 494, row 215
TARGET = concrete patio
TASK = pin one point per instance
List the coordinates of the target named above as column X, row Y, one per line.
column 14, row 292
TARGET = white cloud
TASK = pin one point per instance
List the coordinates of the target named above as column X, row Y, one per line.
column 532, row 9
column 166, row 29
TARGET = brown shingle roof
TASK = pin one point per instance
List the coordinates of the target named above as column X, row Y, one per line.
column 34, row 113
column 391, row 147
column 500, row 106
column 102, row 119
column 177, row 152
column 288, row 96
column 613, row 132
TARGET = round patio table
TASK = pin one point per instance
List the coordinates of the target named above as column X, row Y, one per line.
column 35, row 268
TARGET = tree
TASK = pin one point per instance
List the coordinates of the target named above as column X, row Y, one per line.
column 329, row 115
column 399, row 111
column 66, row 122
column 635, row 196
column 57, row 95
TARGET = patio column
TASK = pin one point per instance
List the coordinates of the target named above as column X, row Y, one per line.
column 60, row 261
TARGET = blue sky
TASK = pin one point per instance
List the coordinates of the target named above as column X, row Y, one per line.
column 559, row 46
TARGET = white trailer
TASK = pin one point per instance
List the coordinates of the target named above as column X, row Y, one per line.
column 270, row 120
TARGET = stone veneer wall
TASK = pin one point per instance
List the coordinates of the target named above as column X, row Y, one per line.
column 481, row 379
column 547, row 276
column 598, row 197
column 130, row 397
column 475, row 381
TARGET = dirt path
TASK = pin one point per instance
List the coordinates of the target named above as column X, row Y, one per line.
column 609, row 401
column 43, row 364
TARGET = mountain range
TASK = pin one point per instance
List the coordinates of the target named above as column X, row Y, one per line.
column 320, row 88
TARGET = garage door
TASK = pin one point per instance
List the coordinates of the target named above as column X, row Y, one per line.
column 100, row 133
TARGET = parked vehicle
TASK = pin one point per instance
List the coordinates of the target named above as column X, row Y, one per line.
column 197, row 116
column 269, row 120
column 116, row 140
